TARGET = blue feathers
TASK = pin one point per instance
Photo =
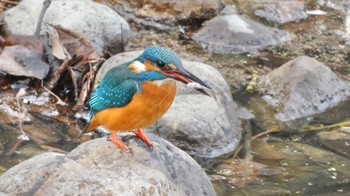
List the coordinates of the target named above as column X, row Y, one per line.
column 115, row 90
column 150, row 75
column 156, row 53
column 107, row 96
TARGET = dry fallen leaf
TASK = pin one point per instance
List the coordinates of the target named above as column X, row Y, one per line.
column 58, row 50
column 78, row 57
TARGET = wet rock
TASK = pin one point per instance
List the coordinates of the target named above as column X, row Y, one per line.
column 98, row 167
column 237, row 34
column 281, row 12
column 101, row 25
column 302, row 87
column 201, row 125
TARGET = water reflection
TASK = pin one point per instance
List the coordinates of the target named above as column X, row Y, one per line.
column 45, row 133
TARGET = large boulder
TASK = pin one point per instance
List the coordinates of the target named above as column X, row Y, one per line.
column 201, row 125
column 237, row 34
column 98, row 167
column 302, row 87
column 101, row 25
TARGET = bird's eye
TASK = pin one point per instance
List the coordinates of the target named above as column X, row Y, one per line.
column 160, row 64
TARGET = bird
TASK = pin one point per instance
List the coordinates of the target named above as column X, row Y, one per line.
column 136, row 94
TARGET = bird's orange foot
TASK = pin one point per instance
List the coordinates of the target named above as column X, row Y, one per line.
column 114, row 138
column 139, row 133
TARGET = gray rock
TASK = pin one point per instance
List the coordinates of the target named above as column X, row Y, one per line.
column 302, row 87
column 237, row 34
column 98, row 167
column 201, row 125
column 229, row 10
column 100, row 24
column 281, row 12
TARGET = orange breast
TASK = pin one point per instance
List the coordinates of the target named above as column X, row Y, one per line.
column 145, row 108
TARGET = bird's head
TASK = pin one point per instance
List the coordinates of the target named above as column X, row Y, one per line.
column 164, row 61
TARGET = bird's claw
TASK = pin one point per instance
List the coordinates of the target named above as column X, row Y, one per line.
column 130, row 150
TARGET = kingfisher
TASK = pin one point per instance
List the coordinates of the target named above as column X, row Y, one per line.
column 137, row 93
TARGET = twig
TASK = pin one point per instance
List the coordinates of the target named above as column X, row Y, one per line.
column 15, row 147
column 122, row 37
column 21, row 93
column 274, row 129
column 46, row 5
column 59, row 100
column 8, row 1
column 2, row 40
column 322, row 128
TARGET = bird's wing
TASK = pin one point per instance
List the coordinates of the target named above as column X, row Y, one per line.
column 116, row 96
column 115, row 90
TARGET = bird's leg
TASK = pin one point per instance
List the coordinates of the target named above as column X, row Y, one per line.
column 139, row 133
column 117, row 142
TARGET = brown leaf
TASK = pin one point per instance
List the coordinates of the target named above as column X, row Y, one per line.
column 78, row 56
column 76, row 44
column 58, row 50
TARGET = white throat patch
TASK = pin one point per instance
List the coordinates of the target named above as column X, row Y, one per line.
column 162, row 82
column 137, row 67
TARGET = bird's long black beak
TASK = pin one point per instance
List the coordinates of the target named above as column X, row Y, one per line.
column 186, row 77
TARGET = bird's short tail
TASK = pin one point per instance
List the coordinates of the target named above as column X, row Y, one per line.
column 85, row 129
column 92, row 123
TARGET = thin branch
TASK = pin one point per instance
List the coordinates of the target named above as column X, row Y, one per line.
column 122, row 37
column 46, row 5
column 8, row 1
column 2, row 40
column 274, row 129
column 323, row 128
column 15, row 147
column 24, row 136
column 59, row 100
